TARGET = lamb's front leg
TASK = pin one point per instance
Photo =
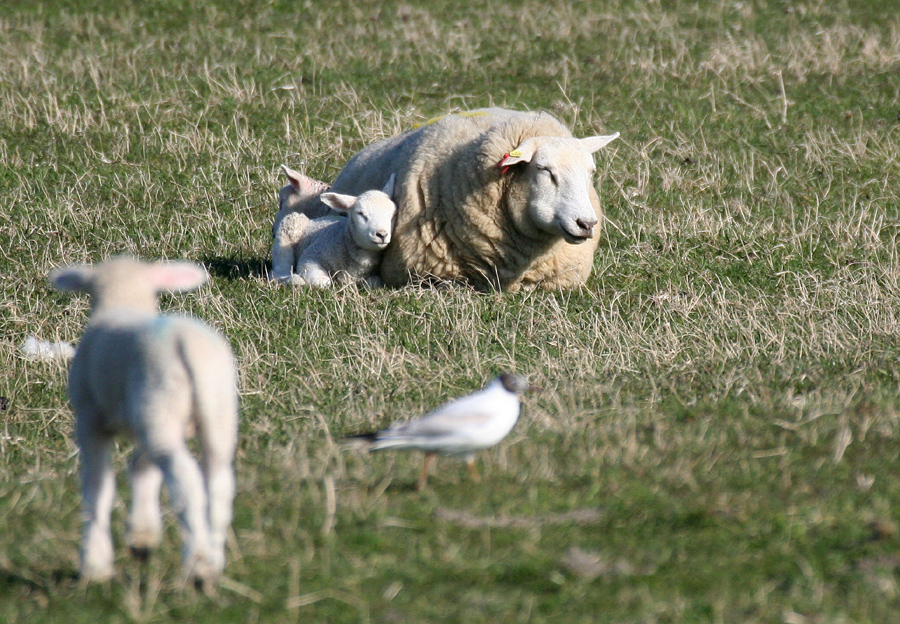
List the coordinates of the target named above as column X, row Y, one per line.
column 145, row 520
column 98, row 485
column 313, row 274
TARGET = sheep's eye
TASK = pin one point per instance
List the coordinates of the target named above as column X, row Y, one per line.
column 363, row 217
column 549, row 172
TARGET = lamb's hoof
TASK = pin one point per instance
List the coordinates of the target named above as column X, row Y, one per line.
column 141, row 553
column 207, row 584
column 204, row 576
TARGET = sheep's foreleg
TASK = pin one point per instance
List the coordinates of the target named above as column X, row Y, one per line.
column 313, row 274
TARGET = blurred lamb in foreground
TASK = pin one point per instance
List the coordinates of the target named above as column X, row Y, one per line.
column 318, row 252
column 156, row 379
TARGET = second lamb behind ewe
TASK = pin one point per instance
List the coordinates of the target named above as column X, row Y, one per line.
column 332, row 249
column 155, row 379
column 300, row 194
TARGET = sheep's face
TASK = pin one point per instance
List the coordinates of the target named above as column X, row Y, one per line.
column 372, row 220
column 558, row 175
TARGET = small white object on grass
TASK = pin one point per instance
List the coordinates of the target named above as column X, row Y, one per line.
column 34, row 349
column 458, row 428
column 154, row 378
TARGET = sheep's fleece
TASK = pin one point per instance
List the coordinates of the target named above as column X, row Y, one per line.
column 472, row 205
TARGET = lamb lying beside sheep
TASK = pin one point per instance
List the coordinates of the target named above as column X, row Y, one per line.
column 300, row 194
column 501, row 199
column 156, row 379
column 332, row 249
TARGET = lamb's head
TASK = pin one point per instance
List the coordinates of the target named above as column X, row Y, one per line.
column 371, row 215
column 298, row 189
column 125, row 282
column 558, row 174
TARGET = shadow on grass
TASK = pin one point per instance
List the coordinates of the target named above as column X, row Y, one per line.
column 237, row 268
column 39, row 581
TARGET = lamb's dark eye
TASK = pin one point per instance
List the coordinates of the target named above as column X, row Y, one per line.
column 363, row 217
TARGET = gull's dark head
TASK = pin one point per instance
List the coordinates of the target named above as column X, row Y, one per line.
column 516, row 384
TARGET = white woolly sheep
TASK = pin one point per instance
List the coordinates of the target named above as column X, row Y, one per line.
column 318, row 252
column 156, row 379
column 502, row 199
column 300, row 194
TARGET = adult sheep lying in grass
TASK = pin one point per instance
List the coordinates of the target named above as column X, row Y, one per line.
column 155, row 379
column 502, row 199
column 300, row 194
column 318, row 252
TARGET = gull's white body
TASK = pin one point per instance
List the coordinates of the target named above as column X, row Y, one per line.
column 458, row 428
column 473, row 422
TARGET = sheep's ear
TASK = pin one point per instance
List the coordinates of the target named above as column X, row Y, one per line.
column 389, row 187
column 72, row 278
column 176, row 276
column 523, row 153
column 592, row 144
column 304, row 185
column 336, row 201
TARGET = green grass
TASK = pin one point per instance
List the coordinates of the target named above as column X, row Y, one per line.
column 721, row 397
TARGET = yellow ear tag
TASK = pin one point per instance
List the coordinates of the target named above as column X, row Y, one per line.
column 516, row 154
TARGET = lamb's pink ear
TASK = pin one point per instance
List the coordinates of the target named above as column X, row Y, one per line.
column 389, row 187
column 592, row 144
column 304, row 185
column 523, row 153
column 336, row 201
column 72, row 278
column 176, row 276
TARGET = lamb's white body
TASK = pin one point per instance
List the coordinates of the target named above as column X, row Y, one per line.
column 319, row 252
column 155, row 379
column 499, row 198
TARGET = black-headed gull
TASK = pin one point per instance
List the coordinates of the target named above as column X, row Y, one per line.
column 459, row 427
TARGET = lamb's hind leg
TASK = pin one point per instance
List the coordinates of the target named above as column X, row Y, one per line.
column 185, row 483
column 98, row 493
column 284, row 244
column 218, row 437
column 145, row 520
column 219, row 470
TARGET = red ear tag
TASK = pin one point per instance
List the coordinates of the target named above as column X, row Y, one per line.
column 503, row 168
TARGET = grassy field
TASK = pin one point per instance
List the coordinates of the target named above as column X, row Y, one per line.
column 720, row 436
